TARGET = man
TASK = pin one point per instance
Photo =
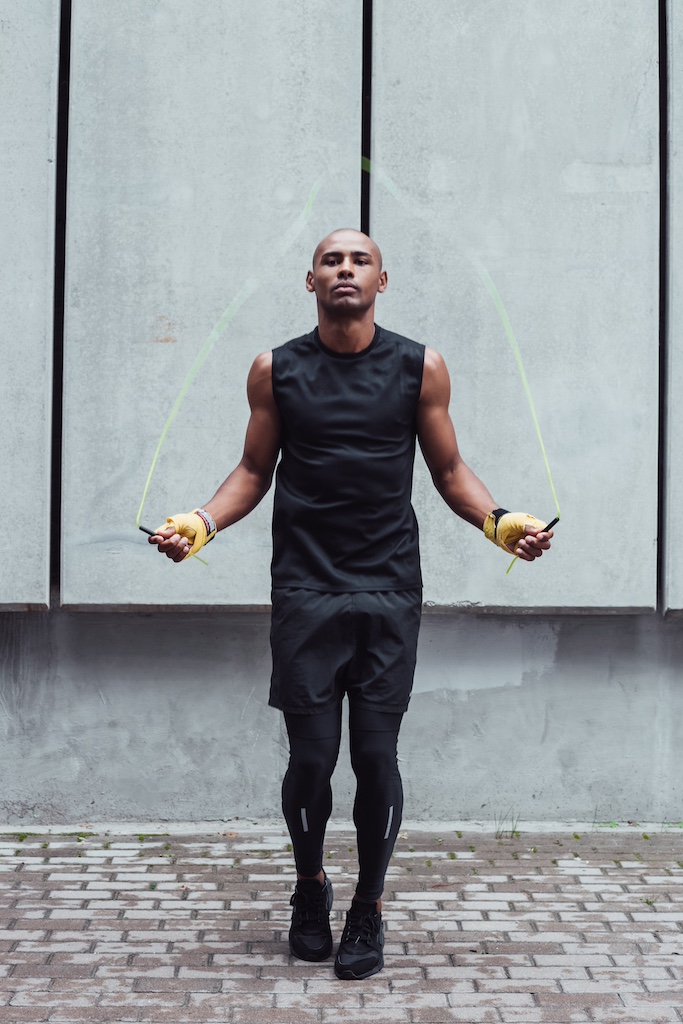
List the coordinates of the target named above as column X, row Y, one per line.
column 344, row 405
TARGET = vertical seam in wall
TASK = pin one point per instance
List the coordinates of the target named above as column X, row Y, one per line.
column 366, row 118
column 58, row 300
column 662, row 439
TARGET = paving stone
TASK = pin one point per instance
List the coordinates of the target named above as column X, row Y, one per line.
column 375, row 1015
column 97, row 1015
column 471, row 1014
column 23, row 1014
column 644, row 1015
column 245, row 1015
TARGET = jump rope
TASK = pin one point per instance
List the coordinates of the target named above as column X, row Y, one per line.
column 251, row 285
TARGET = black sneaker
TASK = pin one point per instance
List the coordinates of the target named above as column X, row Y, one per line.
column 360, row 950
column 310, row 937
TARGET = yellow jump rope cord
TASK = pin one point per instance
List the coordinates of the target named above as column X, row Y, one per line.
column 245, row 292
column 493, row 292
column 395, row 191
column 251, row 285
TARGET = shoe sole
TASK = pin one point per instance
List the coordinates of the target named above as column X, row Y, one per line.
column 347, row 974
column 312, row 958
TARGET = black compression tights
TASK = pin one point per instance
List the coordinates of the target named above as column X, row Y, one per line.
column 307, row 795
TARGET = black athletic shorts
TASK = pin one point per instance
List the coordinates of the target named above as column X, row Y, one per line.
column 325, row 645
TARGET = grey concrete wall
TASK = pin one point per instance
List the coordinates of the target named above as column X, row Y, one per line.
column 673, row 561
column 163, row 716
column 197, row 134
column 29, row 53
column 531, row 145
column 525, row 136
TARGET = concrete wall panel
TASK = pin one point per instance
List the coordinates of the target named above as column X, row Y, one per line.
column 673, row 562
column 198, row 132
column 523, row 139
column 29, row 56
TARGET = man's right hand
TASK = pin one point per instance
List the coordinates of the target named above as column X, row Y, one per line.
column 180, row 535
column 171, row 543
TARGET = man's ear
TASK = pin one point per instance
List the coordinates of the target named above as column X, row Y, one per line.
column 383, row 280
column 310, row 286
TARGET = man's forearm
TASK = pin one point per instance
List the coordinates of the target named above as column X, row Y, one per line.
column 238, row 495
column 465, row 494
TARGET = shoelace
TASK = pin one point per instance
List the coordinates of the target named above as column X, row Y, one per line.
column 308, row 906
column 359, row 927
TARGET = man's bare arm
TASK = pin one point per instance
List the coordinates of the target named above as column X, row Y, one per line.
column 462, row 491
column 244, row 488
column 241, row 492
column 460, row 488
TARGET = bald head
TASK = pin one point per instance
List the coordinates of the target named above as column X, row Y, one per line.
column 348, row 239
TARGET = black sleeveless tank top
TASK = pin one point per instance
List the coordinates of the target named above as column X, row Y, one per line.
column 342, row 518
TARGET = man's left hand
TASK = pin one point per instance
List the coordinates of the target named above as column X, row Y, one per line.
column 532, row 544
column 518, row 532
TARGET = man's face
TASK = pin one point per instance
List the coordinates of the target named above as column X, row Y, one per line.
column 347, row 273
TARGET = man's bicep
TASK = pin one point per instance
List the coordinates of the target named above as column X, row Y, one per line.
column 435, row 430
column 436, row 435
column 262, row 441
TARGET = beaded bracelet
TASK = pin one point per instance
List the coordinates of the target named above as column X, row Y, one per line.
column 208, row 521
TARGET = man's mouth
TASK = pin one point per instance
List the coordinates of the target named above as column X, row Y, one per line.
column 346, row 287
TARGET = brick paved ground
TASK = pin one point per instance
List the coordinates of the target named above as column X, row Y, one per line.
column 539, row 927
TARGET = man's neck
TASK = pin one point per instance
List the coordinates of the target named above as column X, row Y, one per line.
column 346, row 334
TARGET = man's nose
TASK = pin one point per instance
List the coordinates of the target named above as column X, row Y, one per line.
column 346, row 269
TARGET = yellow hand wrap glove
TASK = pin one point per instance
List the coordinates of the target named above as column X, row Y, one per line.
column 507, row 528
column 190, row 525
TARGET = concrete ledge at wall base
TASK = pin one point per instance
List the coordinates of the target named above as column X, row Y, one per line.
column 250, row 826
column 428, row 608
column 12, row 606
column 145, row 609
